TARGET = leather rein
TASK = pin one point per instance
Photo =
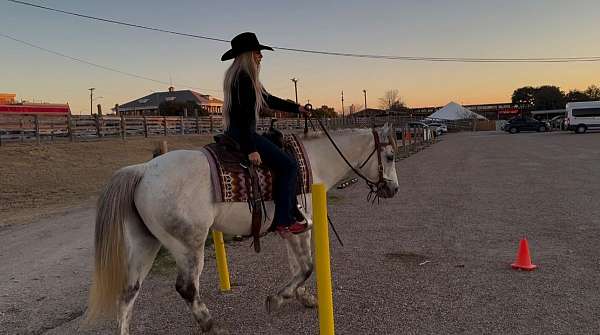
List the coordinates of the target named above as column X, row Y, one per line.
column 374, row 186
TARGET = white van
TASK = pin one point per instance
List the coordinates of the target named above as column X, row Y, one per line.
column 583, row 116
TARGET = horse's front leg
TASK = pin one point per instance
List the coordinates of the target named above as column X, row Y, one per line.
column 302, row 294
column 301, row 266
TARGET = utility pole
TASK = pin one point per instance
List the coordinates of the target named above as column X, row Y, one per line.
column 365, row 92
column 342, row 103
column 295, row 81
column 91, row 99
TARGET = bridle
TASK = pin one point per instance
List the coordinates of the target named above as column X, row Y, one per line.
column 374, row 186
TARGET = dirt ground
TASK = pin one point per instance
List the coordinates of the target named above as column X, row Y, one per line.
column 36, row 180
column 433, row 260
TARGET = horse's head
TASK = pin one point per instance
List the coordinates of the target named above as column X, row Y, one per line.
column 387, row 180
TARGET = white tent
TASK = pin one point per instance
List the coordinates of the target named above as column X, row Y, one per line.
column 454, row 111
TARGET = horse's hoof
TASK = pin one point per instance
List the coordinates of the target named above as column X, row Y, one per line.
column 309, row 302
column 218, row 330
column 307, row 299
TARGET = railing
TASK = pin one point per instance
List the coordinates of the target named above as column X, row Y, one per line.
column 41, row 128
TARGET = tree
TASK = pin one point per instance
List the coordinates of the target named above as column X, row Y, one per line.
column 548, row 97
column 576, row 95
column 524, row 96
column 179, row 108
column 325, row 111
column 540, row 98
column 593, row 92
column 391, row 101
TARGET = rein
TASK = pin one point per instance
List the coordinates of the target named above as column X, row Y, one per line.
column 374, row 186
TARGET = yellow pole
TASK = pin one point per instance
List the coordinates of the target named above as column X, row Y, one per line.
column 221, row 261
column 322, row 263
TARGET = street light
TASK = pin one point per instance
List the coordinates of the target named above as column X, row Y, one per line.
column 365, row 93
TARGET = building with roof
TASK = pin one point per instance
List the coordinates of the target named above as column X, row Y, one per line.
column 7, row 98
column 370, row 112
column 9, row 105
column 149, row 105
column 497, row 111
column 35, row 109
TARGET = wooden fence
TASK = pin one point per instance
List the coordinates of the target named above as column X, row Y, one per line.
column 25, row 128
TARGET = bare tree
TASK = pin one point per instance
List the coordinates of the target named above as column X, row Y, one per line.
column 391, row 100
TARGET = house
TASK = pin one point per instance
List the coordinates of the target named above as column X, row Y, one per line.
column 149, row 105
column 9, row 105
column 7, row 98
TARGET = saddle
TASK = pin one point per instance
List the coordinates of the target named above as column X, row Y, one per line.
column 235, row 179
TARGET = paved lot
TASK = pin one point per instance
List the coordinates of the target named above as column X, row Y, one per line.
column 465, row 203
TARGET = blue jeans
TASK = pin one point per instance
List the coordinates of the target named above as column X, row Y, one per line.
column 285, row 174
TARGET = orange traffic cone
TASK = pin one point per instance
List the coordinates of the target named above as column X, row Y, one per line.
column 523, row 261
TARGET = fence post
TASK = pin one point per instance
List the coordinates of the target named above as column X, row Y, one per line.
column 36, row 119
column 98, row 127
column 22, row 136
column 210, row 122
column 182, row 126
column 197, row 124
column 165, row 125
column 221, row 255
column 70, row 127
column 322, row 260
column 145, row 127
column 408, row 139
column 123, row 127
column 404, row 138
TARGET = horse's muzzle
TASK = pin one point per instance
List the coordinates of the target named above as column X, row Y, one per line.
column 389, row 190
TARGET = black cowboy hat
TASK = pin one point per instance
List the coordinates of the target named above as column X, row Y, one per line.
column 242, row 43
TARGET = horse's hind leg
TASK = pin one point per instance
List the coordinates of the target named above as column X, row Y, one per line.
column 142, row 249
column 189, row 255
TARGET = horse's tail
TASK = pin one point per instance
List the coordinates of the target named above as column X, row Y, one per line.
column 115, row 205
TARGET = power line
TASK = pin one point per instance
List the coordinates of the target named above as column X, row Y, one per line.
column 98, row 65
column 331, row 53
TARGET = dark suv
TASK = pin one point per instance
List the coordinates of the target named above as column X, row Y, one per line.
column 525, row 123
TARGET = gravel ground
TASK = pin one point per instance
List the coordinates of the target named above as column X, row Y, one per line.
column 463, row 206
column 39, row 180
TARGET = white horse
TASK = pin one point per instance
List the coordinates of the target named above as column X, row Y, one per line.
column 170, row 201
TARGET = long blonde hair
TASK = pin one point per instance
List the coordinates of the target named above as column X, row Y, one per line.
column 242, row 63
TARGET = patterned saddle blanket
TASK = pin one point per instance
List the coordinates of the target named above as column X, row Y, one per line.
column 231, row 177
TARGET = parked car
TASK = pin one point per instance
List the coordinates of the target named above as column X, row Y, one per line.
column 440, row 128
column 583, row 116
column 518, row 124
column 412, row 126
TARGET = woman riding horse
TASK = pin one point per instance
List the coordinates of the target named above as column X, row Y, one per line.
column 245, row 97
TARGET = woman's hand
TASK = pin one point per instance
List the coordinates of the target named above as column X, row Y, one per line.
column 254, row 157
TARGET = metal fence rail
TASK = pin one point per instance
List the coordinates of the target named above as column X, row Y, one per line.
column 40, row 128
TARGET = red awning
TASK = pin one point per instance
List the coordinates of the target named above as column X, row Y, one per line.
column 36, row 109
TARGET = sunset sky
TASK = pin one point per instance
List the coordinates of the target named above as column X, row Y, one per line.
column 493, row 29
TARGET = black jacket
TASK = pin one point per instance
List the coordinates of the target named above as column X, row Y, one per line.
column 242, row 120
